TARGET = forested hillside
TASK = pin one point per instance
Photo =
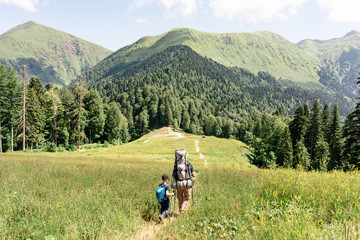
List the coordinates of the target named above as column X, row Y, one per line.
column 53, row 56
column 232, row 92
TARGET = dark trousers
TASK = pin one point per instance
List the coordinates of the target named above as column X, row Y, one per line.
column 164, row 210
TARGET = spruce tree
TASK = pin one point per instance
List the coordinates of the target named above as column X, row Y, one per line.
column 13, row 103
column 351, row 135
column 326, row 119
column 334, row 140
column 298, row 125
column 287, row 150
column 315, row 130
column 350, row 130
column 35, row 117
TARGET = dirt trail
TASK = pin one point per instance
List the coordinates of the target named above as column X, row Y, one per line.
column 164, row 132
column 151, row 230
column 198, row 150
column 176, row 134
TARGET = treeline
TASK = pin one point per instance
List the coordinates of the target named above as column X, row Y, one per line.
column 56, row 119
column 313, row 139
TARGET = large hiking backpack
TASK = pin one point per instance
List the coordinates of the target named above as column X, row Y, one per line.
column 182, row 172
column 160, row 193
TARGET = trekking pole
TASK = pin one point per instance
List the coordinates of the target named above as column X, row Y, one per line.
column 170, row 213
column 192, row 195
column 175, row 196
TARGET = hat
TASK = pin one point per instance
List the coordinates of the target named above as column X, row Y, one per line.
column 165, row 177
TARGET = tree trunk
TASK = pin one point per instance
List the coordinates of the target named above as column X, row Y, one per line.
column 24, row 107
column 1, row 150
column 12, row 137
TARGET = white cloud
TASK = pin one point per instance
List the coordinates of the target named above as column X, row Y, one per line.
column 140, row 3
column 255, row 10
column 28, row 5
column 141, row 20
column 185, row 8
column 342, row 11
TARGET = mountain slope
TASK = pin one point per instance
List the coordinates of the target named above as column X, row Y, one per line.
column 230, row 92
column 258, row 51
column 339, row 58
column 53, row 56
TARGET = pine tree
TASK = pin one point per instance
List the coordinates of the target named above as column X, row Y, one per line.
column 334, row 140
column 13, row 103
column 315, row 130
column 298, row 125
column 35, row 118
column 354, row 156
column 287, row 150
column 326, row 119
column 350, row 133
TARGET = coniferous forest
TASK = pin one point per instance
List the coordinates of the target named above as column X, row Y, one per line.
column 283, row 126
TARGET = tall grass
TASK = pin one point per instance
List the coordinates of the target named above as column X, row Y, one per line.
column 271, row 204
column 110, row 194
column 75, row 198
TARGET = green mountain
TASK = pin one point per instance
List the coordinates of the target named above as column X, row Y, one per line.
column 229, row 92
column 339, row 59
column 258, row 51
column 235, row 72
column 51, row 55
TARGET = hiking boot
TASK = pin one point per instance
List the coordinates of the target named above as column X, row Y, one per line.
column 161, row 218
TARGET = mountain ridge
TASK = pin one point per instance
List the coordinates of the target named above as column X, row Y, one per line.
column 257, row 51
column 54, row 56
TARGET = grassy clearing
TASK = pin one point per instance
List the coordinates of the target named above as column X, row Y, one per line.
column 109, row 194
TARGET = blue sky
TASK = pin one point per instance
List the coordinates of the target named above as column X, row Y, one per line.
column 115, row 24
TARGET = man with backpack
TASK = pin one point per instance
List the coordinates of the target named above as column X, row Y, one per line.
column 163, row 194
column 184, row 174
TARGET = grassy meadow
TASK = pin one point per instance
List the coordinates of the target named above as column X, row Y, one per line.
column 109, row 193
